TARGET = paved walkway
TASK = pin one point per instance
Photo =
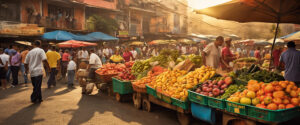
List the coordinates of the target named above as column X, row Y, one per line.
column 62, row 106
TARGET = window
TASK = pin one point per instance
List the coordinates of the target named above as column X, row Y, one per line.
column 10, row 10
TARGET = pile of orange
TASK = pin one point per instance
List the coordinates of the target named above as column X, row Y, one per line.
column 275, row 95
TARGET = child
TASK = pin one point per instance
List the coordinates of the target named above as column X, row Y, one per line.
column 71, row 72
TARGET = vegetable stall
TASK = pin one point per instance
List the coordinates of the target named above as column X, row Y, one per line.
column 182, row 83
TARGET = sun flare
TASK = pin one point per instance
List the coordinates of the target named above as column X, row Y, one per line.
column 201, row 4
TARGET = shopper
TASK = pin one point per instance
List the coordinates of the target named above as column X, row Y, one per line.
column 65, row 61
column 127, row 55
column 34, row 65
column 15, row 66
column 3, row 67
column 257, row 54
column 71, row 72
column 227, row 55
column 22, row 67
column 116, row 58
column 276, row 55
column 94, row 64
column 212, row 53
column 291, row 60
column 133, row 52
column 53, row 58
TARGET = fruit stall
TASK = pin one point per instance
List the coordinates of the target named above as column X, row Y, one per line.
column 182, row 83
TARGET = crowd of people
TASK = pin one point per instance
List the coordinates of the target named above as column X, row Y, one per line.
column 34, row 62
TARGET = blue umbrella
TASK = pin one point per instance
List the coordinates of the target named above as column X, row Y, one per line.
column 101, row 36
column 58, row 35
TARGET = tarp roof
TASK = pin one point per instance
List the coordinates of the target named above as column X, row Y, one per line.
column 60, row 35
column 101, row 36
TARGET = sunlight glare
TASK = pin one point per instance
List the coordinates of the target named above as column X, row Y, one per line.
column 201, row 4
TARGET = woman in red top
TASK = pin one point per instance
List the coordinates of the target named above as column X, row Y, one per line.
column 227, row 56
column 127, row 55
column 65, row 61
column 276, row 55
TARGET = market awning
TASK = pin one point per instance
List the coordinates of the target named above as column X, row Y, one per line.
column 58, row 35
column 293, row 37
column 101, row 36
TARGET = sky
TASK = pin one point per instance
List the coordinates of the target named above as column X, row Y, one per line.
column 201, row 4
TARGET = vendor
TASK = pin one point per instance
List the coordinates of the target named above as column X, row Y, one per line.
column 291, row 59
column 94, row 64
column 227, row 55
column 116, row 58
column 127, row 55
column 212, row 53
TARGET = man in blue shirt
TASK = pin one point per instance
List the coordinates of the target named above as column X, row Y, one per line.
column 291, row 59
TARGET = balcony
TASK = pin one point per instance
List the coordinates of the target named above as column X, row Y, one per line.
column 61, row 24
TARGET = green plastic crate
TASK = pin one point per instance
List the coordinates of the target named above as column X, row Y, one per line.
column 151, row 91
column 122, row 87
column 237, row 108
column 182, row 104
column 216, row 103
column 273, row 115
column 197, row 98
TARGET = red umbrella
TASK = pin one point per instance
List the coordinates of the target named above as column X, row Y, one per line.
column 75, row 44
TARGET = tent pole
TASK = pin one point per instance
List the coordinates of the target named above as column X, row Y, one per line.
column 276, row 33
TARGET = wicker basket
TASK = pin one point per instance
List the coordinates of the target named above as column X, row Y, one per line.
column 138, row 88
column 105, row 78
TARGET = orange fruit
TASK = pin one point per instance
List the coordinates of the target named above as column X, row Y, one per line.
column 254, row 87
column 281, row 106
column 277, row 101
column 261, row 106
column 295, row 88
column 275, row 83
column 278, row 94
column 269, row 88
column 278, row 88
column 268, row 100
column 283, row 84
column 295, row 101
column 291, row 83
column 293, row 93
column 272, row 106
column 289, row 88
column 260, row 92
column 286, row 101
column 289, row 106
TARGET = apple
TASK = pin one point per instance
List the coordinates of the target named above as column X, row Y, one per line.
column 205, row 93
column 216, row 91
column 210, row 85
column 205, row 89
column 198, row 90
column 209, row 89
column 224, row 86
column 215, row 86
column 214, row 82
column 219, row 83
column 222, row 91
column 210, row 94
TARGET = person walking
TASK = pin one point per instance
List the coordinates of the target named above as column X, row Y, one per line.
column 227, row 55
column 15, row 66
column 65, row 61
column 34, row 65
column 291, row 59
column 3, row 67
column 22, row 67
column 212, row 53
column 94, row 64
column 53, row 58
column 71, row 72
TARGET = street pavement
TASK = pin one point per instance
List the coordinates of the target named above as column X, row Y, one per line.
column 63, row 106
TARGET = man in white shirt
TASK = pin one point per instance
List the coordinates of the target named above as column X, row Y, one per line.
column 71, row 72
column 106, row 52
column 183, row 50
column 94, row 64
column 134, row 53
column 3, row 67
column 34, row 64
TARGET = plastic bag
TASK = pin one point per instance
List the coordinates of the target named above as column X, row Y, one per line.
column 89, row 88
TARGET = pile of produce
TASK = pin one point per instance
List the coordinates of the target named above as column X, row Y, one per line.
column 167, row 84
column 266, row 64
column 126, row 75
column 111, row 68
column 150, row 76
column 275, row 95
column 246, row 59
column 255, row 73
column 175, row 83
column 196, row 59
column 140, row 68
column 220, row 87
